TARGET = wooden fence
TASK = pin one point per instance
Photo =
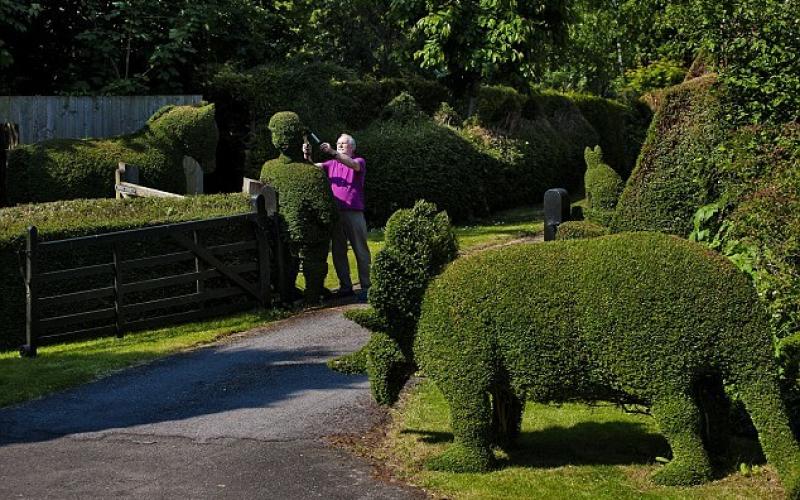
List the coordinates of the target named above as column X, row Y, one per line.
column 50, row 117
column 113, row 297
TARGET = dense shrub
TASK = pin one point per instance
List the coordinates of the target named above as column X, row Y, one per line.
column 672, row 175
column 575, row 230
column 419, row 243
column 67, row 219
column 606, row 318
column 307, row 210
column 603, row 186
column 418, row 159
column 65, row 169
column 329, row 100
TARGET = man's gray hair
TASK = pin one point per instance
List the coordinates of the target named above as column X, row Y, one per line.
column 350, row 139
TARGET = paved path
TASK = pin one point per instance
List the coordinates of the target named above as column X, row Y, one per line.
column 242, row 419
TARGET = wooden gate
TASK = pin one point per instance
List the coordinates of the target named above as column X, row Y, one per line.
column 126, row 292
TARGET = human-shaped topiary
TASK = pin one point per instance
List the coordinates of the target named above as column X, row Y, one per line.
column 307, row 210
column 66, row 169
column 634, row 318
column 419, row 243
column 603, row 187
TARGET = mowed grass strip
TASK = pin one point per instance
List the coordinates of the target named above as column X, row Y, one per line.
column 59, row 367
column 564, row 452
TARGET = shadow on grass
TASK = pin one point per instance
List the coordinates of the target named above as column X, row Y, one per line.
column 595, row 443
column 587, row 443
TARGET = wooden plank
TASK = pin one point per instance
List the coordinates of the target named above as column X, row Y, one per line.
column 50, row 324
column 83, row 295
column 32, row 321
column 78, row 272
column 184, row 317
column 211, row 260
column 180, row 257
column 142, row 191
column 98, row 331
column 182, row 279
column 163, row 230
column 181, row 300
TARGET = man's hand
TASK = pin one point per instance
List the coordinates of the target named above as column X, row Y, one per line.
column 307, row 151
column 326, row 148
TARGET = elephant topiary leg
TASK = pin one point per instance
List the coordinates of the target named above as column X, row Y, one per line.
column 678, row 417
column 471, row 417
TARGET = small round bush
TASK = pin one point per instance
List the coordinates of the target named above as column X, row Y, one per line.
column 575, row 230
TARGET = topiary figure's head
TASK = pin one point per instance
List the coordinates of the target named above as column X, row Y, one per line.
column 191, row 130
column 287, row 134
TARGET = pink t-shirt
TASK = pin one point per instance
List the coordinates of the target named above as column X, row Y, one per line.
column 347, row 184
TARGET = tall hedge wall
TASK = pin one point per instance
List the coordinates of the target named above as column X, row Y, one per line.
column 673, row 172
column 517, row 145
column 65, row 169
column 66, row 219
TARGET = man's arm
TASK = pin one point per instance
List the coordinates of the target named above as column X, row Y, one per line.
column 349, row 162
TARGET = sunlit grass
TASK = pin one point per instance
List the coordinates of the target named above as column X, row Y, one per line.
column 565, row 452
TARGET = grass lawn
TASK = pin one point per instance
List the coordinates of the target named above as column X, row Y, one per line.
column 61, row 366
column 567, row 451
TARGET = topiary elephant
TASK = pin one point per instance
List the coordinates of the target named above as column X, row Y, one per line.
column 639, row 318
column 66, row 169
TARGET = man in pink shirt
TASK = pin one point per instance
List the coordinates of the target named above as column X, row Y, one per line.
column 346, row 173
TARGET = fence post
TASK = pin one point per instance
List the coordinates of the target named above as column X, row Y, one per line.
column 261, row 227
column 31, row 310
column 125, row 173
column 118, row 296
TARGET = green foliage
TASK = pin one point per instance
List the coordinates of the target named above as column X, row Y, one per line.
column 656, row 75
column 287, row 134
column 446, row 115
column 467, row 41
column 419, row 243
column 307, row 209
column 408, row 161
column 64, row 169
column 565, row 321
column 387, row 368
column 402, row 108
column 603, row 187
column 67, row 219
column 580, row 229
column 672, row 175
column 329, row 100
column 498, row 104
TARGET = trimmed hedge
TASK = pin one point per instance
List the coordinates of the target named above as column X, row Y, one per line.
column 419, row 243
column 307, row 209
column 634, row 318
column 673, row 177
column 581, row 229
column 603, row 187
column 409, row 160
column 67, row 219
column 65, row 169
